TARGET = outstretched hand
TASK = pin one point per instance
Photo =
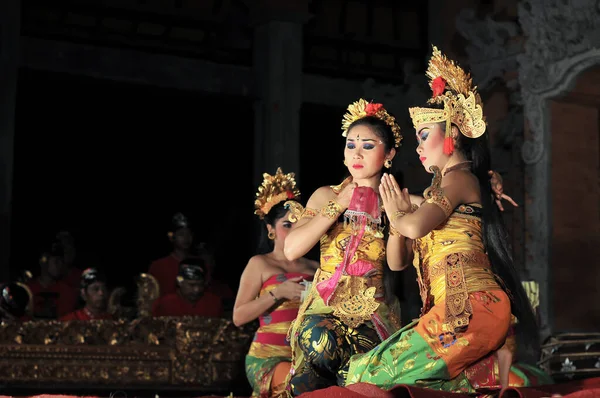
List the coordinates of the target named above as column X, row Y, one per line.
column 498, row 190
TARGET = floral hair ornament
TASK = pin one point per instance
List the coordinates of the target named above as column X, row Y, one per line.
column 453, row 87
column 273, row 190
column 362, row 108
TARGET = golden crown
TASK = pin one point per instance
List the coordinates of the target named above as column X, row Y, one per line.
column 462, row 102
column 273, row 190
column 361, row 108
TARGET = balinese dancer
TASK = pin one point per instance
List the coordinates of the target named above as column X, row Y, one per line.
column 469, row 286
column 270, row 287
column 345, row 311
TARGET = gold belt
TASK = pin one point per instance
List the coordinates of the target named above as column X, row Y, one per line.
column 354, row 300
column 465, row 273
column 476, row 280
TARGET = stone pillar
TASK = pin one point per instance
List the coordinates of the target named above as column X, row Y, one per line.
column 278, row 47
column 10, row 17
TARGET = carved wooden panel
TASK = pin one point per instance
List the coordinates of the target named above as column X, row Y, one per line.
column 186, row 352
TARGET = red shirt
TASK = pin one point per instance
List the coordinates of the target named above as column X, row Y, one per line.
column 53, row 301
column 165, row 271
column 84, row 315
column 73, row 277
column 174, row 305
column 220, row 289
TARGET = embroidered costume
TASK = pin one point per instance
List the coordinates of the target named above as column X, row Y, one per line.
column 344, row 312
column 270, row 354
column 466, row 313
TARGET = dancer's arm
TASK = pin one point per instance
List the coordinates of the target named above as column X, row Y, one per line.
column 327, row 207
column 248, row 304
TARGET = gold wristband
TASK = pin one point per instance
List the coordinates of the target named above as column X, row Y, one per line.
column 399, row 213
column 332, row 210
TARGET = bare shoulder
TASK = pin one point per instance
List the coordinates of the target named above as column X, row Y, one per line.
column 462, row 183
column 256, row 264
column 462, row 177
column 320, row 197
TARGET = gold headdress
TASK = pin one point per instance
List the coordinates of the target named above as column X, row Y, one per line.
column 362, row 108
column 274, row 189
column 462, row 103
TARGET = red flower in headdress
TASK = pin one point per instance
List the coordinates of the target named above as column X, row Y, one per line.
column 290, row 194
column 438, row 85
column 371, row 109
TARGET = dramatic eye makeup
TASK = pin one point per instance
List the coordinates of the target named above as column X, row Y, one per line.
column 368, row 144
column 423, row 134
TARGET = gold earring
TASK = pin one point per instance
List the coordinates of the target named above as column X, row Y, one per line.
column 387, row 163
column 271, row 235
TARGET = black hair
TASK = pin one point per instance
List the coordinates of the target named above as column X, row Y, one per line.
column 179, row 221
column 496, row 239
column 278, row 211
column 91, row 275
column 380, row 128
column 392, row 280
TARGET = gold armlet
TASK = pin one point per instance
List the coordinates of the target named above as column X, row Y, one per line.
column 331, row 210
column 435, row 194
column 442, row 202
column 309, row 213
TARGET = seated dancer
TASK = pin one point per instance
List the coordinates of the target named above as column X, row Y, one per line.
column 94, row 294
column 165, row 269
column 270, row 288
column 191, row 297
column 347, row 309
column 15, row 301
column 469, row 286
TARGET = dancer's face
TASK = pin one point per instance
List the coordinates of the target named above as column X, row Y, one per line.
column 430, row 137
column 282, row 227
column 364, row 153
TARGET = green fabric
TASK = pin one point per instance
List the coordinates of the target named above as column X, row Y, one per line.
column 404, row 358
column 259, row 372
column 532, row 375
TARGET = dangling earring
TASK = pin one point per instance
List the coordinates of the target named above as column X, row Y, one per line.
column 345, row 164
column 448, row 139
column 271, row 235
column 387, row 163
